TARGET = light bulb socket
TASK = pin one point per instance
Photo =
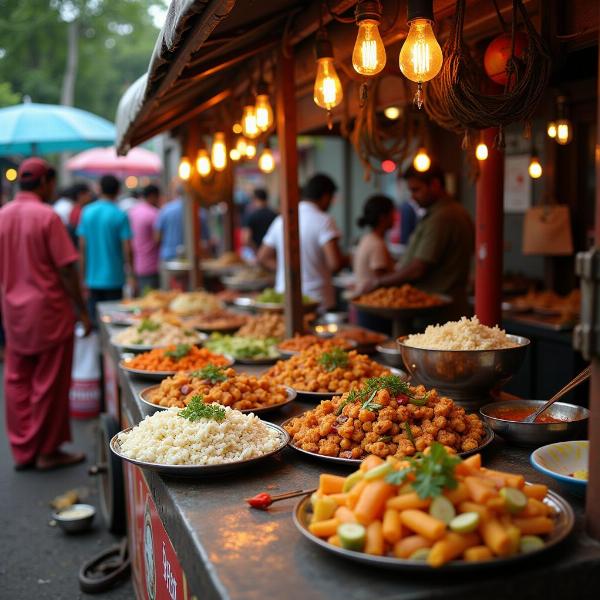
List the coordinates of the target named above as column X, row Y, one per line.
column 419, row 9
column 323, row 47
column 368, row 9
column 262, row 89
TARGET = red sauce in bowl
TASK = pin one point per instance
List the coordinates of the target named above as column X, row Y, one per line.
column 518, row 414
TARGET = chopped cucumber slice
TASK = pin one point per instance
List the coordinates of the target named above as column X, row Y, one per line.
column 352, row 480
column 515, row 500
column 352, row 536
column 441, row 508
column 378, row 472
column 530, row 543
column 465, row 523
column 323, row 509
column 420, row 554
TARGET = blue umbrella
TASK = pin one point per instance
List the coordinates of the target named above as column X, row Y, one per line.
column 32, row 128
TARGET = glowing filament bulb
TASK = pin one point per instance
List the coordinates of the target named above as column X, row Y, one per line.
column 481, row 152
column 234, row 154
column 368, row 56
column 203, row 164
column 421, row 56
column 551, row 129
column 264, row 112
column 564, row 131
column 266, row 161
column 218, row 155
column 249, row 124
column 250, row 149
column 535, row 168
column 185, row 169
column 422, row 162
column 327, row 91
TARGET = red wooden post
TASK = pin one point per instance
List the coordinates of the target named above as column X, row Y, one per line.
column 489, row 220
column 288, row 181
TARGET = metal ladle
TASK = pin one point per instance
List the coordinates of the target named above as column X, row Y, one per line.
column 580, row 378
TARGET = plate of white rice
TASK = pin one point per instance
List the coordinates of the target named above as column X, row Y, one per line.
column 170, row 444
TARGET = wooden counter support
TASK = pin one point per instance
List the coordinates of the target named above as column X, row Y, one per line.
column 288, row 178
column 489, row 217
column 192, row 208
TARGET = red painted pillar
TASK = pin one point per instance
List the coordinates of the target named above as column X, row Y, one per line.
column 489, row 241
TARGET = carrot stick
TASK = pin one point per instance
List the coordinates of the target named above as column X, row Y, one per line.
column 534, row 526
column 469, row 466
column 450, row 547
column 331, row 484
column 354, row 494
column 392, row 528
column 495, row 537
column 372, row 500
column 406, row 546
column 374, row 543
column 484, row 513
column 536, row 490
column 334, row 540
column 479, row 490
column 324, row 529
column 505, row 479
column 457, row 495
column 370, row 462
column 406, row 501
column 478, row 553
column 344, row 515
column 423, row 524
column 339, row 499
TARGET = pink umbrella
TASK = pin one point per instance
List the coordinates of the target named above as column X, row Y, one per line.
column 99, row 161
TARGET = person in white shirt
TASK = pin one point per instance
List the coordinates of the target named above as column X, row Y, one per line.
column 320, row 254
column 64, row 205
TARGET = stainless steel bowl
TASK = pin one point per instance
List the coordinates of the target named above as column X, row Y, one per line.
column 389, row 354
column 538, row 434
column 76, row 525
column 466, row 376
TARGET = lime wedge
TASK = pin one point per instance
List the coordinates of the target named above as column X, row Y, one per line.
column 530, row 543
column 465, row 523
column 514, row 499
column 379, row 472
column 352, row 536
column 441, row 508
column 352, row 480
column 420, row 554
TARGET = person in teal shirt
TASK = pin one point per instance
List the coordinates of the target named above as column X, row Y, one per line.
column 104, row 245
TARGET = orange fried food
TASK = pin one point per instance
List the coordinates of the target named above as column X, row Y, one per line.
column 176, row 358
column 405, row 296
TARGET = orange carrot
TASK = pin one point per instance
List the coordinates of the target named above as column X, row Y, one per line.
column 495, row 537
column 374, row 543
column 534, row 526
column 354, row 493
column 370, row 462
column 482, row 511
column 344, row 515
column 479, row 490
column 451, row 546
column 406, row 546
column 372, row 500
column 339, row 499
column 503, row 479
column 331, row 484
column 478, row 553
column 469, row 466
column 458, row 494
column 324, row 529
column 536, row 490
column 334, row 540
column 423, row 524
column 392, row 528
column 409, row 500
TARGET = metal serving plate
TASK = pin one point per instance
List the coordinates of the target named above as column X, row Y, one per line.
column 401, row 313
column 251, row 303
column 565, row 520
column 199, row 470
column 197, row 341
column 145, row 394
column 247, row 285
column 257, row 361
column 160, row 375
column 355, row 462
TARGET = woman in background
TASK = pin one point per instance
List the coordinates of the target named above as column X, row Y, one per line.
column 372, row 257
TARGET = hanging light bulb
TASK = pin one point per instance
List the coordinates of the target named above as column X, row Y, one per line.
column 327, row 92
column 234, row 154
column 535, row 167
column 266, row 161
column 422, row 162
column 551, row 130
column 368, row 56
column 481, row 151
column 237, row 128
column 250, row 149
column 392, row 113
column 263, row 109
column 564, row 131
column 249, row 126
column 421, row 55
column 218, row 153
column 185, row 168
column 240, row 145
column 203, row 164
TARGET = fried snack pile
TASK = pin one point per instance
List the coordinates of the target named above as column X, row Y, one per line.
column 386, row 417
column 325, row 370
column 405, row 296
column 300, row 343
column 175, row 358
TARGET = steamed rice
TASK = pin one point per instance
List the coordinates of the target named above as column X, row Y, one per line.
column 466, row 334
column 166, row 438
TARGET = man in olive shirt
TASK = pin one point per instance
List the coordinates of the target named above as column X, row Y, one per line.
column 438, row 257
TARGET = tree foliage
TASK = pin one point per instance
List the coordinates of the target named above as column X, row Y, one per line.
column 116, row 38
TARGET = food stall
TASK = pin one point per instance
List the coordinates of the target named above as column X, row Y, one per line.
column 196, row 536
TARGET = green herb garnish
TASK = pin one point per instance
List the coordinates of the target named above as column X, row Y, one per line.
column 434, row 472
column 210, row 373
column 336, row 358
column 370, row 405
column 179, row 351
column 409, row 433
column 197, row 410
column 148, row 325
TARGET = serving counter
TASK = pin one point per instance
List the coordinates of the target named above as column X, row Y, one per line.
column 198, row 538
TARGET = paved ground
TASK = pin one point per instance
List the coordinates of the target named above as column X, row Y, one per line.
column 38, row 561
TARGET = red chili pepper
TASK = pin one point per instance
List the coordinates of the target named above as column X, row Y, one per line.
column 402, row 399
column 261, row 501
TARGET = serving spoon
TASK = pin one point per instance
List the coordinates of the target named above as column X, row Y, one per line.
column 580, row 378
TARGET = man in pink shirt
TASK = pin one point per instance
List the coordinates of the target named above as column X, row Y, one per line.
column 145, row 246
column 38, row 286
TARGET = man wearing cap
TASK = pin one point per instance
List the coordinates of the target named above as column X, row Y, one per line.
column 38, row 287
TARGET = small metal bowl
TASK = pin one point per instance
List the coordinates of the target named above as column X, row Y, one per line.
column 466, row 376
column 389, row 354
column 77, row 524
column 537, row 434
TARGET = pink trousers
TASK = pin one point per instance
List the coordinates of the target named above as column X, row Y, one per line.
column 36, row 393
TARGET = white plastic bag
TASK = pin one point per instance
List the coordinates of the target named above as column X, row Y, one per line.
column 85, row 392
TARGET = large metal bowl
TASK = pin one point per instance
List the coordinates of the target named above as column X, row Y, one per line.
column 537, row 434
column 466, row 376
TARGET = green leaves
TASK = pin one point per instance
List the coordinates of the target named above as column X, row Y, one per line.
column 148, row 325
column 210, row 373
column 336, row 358
column 433, row 472
column 197, row 410
column 179, row 351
